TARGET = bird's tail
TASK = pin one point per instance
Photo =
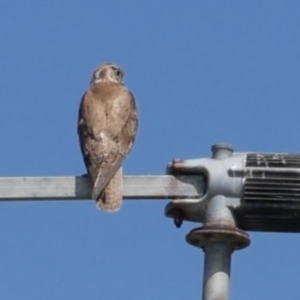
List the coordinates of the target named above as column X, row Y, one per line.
column 111, row 197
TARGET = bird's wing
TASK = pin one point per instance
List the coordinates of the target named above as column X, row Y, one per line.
column 120, row 134
column 91, row 122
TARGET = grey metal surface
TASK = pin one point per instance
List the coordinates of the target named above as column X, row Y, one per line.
column 223, row 175
column 243, row 191
column 271, row 193
column 219, row 236
column 261, row 189
column 216, row 275
column 79, row 188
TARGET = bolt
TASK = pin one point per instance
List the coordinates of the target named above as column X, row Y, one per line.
column 177, row 217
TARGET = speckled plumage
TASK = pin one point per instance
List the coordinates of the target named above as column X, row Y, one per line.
column 107, row 126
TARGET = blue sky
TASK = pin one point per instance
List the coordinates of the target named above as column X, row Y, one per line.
column 202, row 72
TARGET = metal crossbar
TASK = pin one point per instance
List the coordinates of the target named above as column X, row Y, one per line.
column 79, row 188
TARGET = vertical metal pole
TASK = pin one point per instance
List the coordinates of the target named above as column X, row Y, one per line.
column 218, row 242
column 219, row 237
column 216, row 271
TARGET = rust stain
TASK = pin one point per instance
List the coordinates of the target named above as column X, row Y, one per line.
column 212, row 232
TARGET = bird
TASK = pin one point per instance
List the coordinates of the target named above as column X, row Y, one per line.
column 107, row 127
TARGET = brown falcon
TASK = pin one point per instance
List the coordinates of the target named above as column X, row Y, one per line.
column 107, row 126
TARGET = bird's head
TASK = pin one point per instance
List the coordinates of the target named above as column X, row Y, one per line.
column 108, row 72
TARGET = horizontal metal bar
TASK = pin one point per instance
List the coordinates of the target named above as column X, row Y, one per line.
column 80, row 188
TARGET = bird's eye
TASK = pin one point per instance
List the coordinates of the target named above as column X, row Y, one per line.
column 118, row 72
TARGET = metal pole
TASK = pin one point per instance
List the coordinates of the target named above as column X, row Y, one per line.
column 219, row 237
column 80, row 187
column 218, row 242
column 216, row 271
